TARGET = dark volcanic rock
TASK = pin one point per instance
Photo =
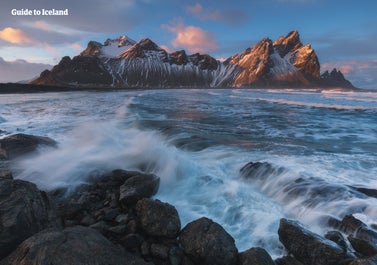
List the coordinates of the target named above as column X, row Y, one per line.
column 307, row 247
column 158, row 218
column 138, row 187
column 287, row 260
column 338, row 238
column 24, row 211
column 21, row 144
column 369, row 261
column 255, row 256
column 335, row 79
column 207, row 243
column 259, row 170
column 75, row 245
column 81, row 70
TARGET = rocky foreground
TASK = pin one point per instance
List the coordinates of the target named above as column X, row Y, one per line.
column 114, row 220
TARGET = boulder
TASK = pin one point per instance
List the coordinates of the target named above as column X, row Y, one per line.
column 287, row 260
column 308, row 247
column 74, row 245
column 255, row 256
column 362, row 238
column 259, row 170
column 138, row 187
column 338, row 238
column 157, row 218
column 207, row 243
column 24, row 211
column 21, row 144
column 368, row 261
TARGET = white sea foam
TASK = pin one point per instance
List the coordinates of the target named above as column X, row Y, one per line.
column 138, row 131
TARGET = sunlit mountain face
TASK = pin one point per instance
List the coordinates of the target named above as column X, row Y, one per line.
column 122, row 62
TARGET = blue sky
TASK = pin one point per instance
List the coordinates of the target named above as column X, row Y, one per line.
column 343, row 33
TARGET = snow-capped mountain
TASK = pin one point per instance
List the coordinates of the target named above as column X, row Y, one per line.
column 123, row 62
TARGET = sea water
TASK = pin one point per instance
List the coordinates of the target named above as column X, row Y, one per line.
column 324, row 143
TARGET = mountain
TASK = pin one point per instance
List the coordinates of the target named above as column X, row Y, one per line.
column 123, row 62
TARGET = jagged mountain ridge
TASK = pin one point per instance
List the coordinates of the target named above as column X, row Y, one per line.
column 123, row 62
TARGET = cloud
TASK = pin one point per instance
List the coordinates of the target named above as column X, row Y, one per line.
column 362, row 73
column 198, row 11
column 76, row 46
column 192, row 38
column 19, row 70
column 229, row 16
column 14, row 36
column 167, row 49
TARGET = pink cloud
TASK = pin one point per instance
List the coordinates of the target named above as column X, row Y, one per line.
column 198, row 11
column 42, row 25
column 14, row 36
column 192, row 38
column 76, row 46
column 167, row 49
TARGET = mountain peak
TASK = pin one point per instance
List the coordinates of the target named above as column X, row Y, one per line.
column 121, row 41
column 125, row 63
column 288, row 43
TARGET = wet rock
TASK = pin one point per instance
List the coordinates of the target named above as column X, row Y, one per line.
column 24, row 211
column 207, row 243
column 259, row 170
column 159, row 251
column 362, row 238
column 75, row 245
column 338, row 238
column 364, row 247
column 255, row 256
column 88, row 220
column 21, row 144
column 158, row 218
column 287, row 260
column 368, row 261
column 138, row 187
column 308, row 247
column 350, row 224
column 175, row 256
column 5, row 174
column 132, row 241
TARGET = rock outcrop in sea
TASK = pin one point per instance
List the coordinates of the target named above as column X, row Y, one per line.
column 125, row 63
column 113, row 219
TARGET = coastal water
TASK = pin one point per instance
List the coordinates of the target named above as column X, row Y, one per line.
column 322, row 143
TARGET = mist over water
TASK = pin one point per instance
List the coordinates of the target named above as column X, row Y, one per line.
column 197, row 141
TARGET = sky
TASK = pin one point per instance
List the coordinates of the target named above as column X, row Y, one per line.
column 343, row 33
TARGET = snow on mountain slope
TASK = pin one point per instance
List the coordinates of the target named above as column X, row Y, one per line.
column 122, row 62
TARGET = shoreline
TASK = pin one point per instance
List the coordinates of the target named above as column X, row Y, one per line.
column 16, row 88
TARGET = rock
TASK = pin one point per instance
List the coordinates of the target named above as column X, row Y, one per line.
column 207, row 243
column 74, row 245
column 175, row 256
column 259, row 170
column 159, row 251
column 87, row 220
column 338, row 238
column 24, row 211
column 368, row 261
column 307, row 247
column 255, row 256
column 287, row 260
column 362, row 238
column 132, row 241
column 5, row 174
column 364, row 247
column 158, row 218
column 138, row 187
column 21, row 144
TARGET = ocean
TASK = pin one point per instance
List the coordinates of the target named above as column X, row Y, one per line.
column 322, row 143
